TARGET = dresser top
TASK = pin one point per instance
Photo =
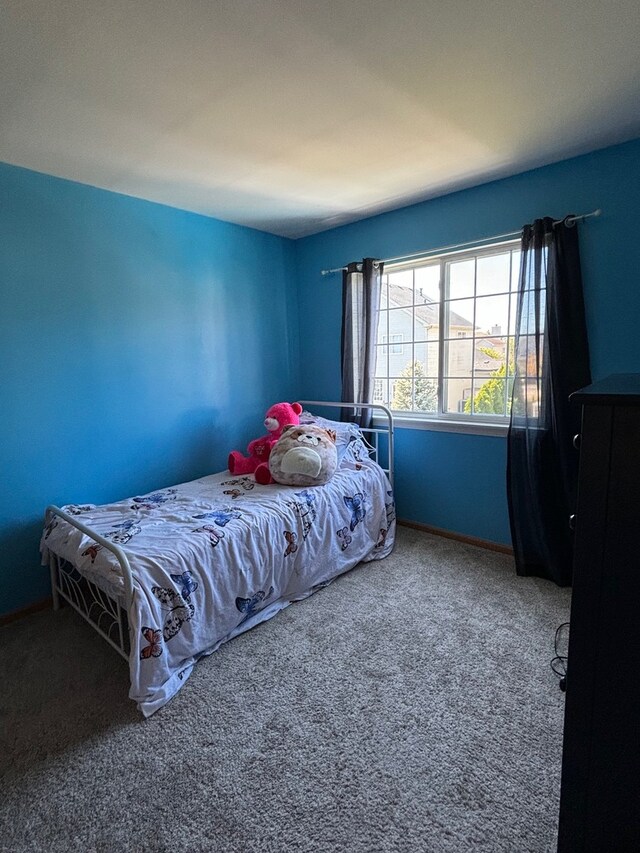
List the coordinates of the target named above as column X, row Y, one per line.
column 619, row 389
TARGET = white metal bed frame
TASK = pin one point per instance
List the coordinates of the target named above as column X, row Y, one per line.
column 108, row 615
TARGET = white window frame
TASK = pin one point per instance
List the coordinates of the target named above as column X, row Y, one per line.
column 484, row 424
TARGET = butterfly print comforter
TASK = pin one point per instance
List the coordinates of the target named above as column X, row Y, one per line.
column 216, row 556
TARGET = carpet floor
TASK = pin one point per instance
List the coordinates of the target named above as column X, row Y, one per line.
column 408, row 706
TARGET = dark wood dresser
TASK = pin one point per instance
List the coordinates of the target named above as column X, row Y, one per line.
column 600, row 793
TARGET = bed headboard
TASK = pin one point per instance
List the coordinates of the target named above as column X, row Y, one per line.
column 379, row 435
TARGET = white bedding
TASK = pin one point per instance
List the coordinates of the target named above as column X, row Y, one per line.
column 216, row 556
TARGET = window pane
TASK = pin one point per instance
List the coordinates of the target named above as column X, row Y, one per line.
column 401, row 288
column 490, row 356
column 513, row 313
column 381, row 391
column 429, row 356
column 526, row 397
column 459, row 357
column 537, row 269
column 528, row 359
column 400, row 362
column 510, row 381
column 425, row 394
column 382, row 326
column 427, row 321
column 516, row 257
column 533, row 311
column 459, row 318
column 461, row 278
column 493, row 274
column 511, row 349
column 383, row 293
column 492, row 315
column 381, row 361
column 427, row 283
column 489, row 397
column 402, row 391
column 456, row 393
column 399, row 322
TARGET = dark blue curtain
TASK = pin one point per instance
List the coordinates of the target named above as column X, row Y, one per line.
column 361, row 288
column 551, row 361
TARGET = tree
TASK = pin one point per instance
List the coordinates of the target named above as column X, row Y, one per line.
column 489, row 399
column 425, row 398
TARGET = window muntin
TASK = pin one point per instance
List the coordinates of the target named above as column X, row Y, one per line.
column 455, row 316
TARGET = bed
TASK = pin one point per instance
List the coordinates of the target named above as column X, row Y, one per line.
column 169, row 576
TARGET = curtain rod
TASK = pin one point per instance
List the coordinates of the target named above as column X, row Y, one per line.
column 568, row 220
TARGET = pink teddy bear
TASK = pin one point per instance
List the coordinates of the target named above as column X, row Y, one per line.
column 278, row 417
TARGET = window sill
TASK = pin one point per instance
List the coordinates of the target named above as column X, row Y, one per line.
column 447, row 425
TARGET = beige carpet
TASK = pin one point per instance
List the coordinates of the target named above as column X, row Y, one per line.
column 409, row 706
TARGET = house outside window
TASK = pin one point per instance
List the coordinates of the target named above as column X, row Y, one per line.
column 455, row 315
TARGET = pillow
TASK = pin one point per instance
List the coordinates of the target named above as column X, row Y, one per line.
column 346, row 433
column 304, row 455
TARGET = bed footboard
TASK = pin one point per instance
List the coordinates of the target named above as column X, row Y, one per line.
column 106, row 614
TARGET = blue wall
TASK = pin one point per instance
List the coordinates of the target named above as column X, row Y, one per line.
column 138, row 345
column 455, row 481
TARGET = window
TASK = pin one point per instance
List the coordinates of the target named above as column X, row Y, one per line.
column 445, row 346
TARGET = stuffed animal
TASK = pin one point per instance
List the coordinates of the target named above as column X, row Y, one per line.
column 278, row 417
column 304, row 455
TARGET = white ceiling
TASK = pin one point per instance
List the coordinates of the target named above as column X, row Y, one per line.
column 294, row 116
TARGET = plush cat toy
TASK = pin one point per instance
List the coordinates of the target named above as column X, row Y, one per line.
column 278, row 417
column 305, row 455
